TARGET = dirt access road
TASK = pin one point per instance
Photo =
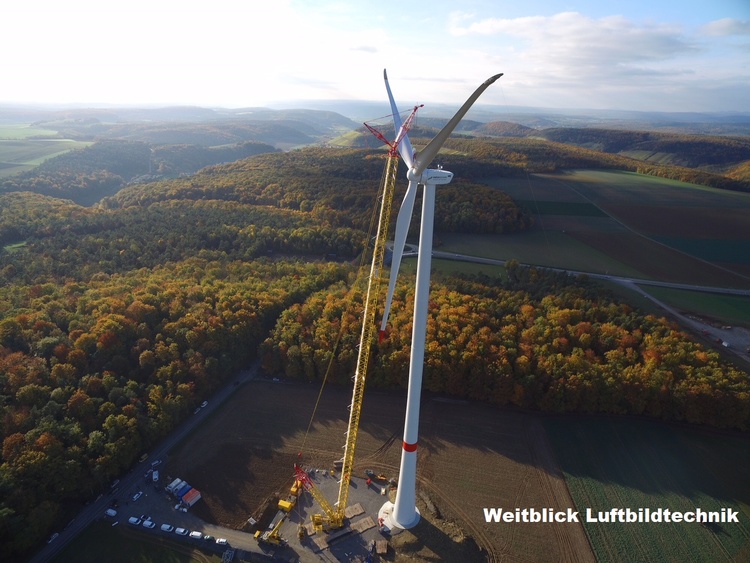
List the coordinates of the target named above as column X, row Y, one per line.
column 471, row 457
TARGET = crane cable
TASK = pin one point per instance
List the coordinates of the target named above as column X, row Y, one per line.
column 360, row 276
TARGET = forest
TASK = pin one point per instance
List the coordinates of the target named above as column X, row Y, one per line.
column 538, row 340
column 85, row 176
column 118, row 318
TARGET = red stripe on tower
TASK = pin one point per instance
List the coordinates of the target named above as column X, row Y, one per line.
column 410, row 447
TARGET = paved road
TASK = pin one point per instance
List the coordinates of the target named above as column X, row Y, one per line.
column 594, row 275
column 738, row 338
column 134, row 481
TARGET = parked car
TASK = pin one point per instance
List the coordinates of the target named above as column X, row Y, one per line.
column 155, row 463
column 134, row 520
column 149, row 524
column 222, row 541
column 167, row 528
column 181, row 531
column 209, row 538
column 137, row 495
column 196, row 535
column 110, row 512
column 204, row 404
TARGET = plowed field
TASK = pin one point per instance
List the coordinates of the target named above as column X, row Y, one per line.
column 471, row 457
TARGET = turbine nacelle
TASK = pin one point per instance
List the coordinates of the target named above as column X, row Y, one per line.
column 436, row 177
column 417, row 163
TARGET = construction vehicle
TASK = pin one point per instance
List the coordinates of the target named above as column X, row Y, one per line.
column 271, row 535
column 379, row 477
column 333, row 517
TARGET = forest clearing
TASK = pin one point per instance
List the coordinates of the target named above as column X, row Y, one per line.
column 473, row 456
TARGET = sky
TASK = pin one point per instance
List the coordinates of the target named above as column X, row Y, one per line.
column 645, row 55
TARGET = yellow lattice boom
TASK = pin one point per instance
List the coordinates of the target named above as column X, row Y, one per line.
column 334, row 515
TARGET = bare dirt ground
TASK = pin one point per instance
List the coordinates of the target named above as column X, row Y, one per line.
column 471, row 456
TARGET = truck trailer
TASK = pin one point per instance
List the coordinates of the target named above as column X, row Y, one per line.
column 174, row 485
column 184, row 488
column 191, row 497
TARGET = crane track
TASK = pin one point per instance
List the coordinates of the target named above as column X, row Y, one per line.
column 384, row 447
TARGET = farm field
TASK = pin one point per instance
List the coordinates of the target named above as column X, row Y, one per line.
column 541, row 248
column 471, row 456
column 23, row 147
column 630, row 463
column 733, row 309
column 17, row 131
column 452, row 267
column 672, row 233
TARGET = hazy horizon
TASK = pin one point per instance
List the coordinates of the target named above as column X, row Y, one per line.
column 578, row 54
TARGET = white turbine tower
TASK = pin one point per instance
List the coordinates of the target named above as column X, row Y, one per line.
column 403, row 513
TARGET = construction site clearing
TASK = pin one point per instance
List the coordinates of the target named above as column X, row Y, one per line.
column 292, row 531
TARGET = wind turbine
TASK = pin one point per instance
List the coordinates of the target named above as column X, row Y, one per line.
column 403, row 513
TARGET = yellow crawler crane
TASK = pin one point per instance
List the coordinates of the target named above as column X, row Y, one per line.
column 333, row 518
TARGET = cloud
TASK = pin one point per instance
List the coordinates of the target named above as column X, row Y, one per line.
column 365, row 49
column 726, row 27
column 584, row 60
column 570, row 41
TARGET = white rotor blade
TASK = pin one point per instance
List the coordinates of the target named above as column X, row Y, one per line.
column 403, row 220
column 399, row 241
column 404, row 148
column 424, row 157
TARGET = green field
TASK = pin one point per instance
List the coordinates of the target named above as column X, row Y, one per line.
column 543, row 248
column 727, row 308
column 25, row 131
column 627, row 224
column 22, row 147
column 630, row 463
column 451, row 267
column 15, row 247
column 122, row 544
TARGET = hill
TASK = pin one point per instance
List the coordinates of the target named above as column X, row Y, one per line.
column 87, row 175
column 136, row 145
column 116, row 320
column 692, row 151
column 707, row 160
column 503, row 129
column 199, row 126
